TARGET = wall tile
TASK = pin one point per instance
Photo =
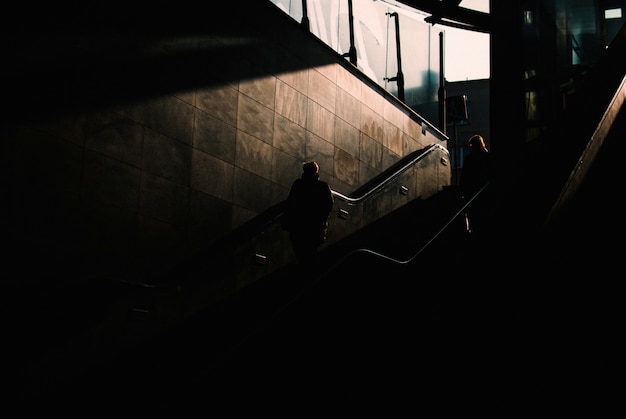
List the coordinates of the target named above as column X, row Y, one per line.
column 346, row 167
column 367, row 172
column 116, row 136
column 372, row 124
column 321, row 151
column 295, row 73
column 322, row 90
column 255, row 119
column 393, row 114
column 203, row 229
column 166, row 157
column 320, row 121
column 251, row 191
column 291, row 103
column 214, row 136
column 253, row 155
column 219, row 101
column 373, row 100
column 328, row 70
column 171, row 116
column 261, row 89
column 110, row 181
column 162, row 199
column 348, row 108
column 212, row 175
column 289, row 137
column 347, row 137
column 371, row 152
column 348, row 83
column 286, row 168
column 393, row 139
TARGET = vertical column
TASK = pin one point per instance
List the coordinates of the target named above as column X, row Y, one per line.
column 507, row 110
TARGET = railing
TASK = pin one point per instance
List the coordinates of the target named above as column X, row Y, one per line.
column 260, row 246
column 388, row 176
column 448, row 224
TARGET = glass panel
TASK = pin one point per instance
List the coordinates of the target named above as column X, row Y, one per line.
column 375, row 42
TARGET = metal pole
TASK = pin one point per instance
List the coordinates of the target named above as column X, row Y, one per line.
column 305, row 15
column 399, row 76
column 442, row 85
column 455, row 155
column 352, row 51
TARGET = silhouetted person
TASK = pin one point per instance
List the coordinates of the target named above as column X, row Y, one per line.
column 306, row 215
column 478, row 170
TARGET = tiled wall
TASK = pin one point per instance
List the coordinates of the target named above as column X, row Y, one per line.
column 130, row 186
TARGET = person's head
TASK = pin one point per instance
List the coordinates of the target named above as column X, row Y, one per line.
column 476, row 142
column 310, row 169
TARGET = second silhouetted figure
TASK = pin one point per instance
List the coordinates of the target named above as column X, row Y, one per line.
column 478, row 171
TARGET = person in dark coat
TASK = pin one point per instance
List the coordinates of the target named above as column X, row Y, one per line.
column 306, row 215
column 478, row 171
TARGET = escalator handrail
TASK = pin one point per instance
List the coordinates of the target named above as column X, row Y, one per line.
column 459, row 213
column 277, row 211
column 376, row 187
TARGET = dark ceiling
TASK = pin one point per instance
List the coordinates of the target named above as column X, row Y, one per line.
column 449, row 13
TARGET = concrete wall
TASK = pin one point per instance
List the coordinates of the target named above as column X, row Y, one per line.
column 133, row 143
